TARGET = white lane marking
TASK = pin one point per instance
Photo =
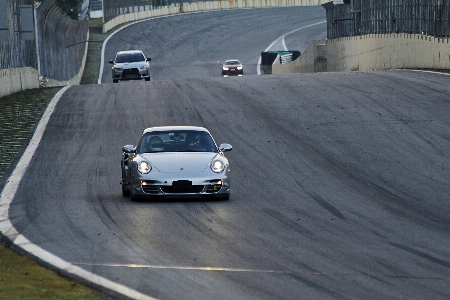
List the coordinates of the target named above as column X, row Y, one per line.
column 282, row 38
column 8, row 229
column 314, row 273
column 183, row 268
column 12, row 184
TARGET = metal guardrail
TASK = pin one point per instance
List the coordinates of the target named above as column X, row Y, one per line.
column 361, row 17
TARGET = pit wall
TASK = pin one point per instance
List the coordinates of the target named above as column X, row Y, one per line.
column 203, row 6
column 373, row 51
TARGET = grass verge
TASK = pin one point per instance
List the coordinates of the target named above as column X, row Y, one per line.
column 20, row 276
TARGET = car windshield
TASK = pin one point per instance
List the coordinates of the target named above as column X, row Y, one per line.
column 233, row 62
column 129, row 57
column 176, row 141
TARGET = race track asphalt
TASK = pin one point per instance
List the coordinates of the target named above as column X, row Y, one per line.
column 339, row 186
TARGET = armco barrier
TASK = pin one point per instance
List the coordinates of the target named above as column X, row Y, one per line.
column 203, row 6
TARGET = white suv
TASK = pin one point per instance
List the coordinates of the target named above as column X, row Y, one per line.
column 129, row 65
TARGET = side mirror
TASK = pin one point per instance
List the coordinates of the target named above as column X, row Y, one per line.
column 225, row 147
column 129, row 149
column 111, row 62
column 148, row 59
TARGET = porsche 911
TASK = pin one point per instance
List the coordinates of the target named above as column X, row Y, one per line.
column 175, row 162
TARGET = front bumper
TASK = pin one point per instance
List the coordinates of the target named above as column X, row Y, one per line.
column 130, row 74
column 186, row 187
column 232, row 71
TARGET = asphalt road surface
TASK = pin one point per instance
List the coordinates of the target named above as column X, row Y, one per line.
column 339, row 182
column 196, row 45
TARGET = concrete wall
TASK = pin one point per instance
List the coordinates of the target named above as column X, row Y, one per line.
column 388, row 51
column 17, row 80
column 20, row 79
column 373, row 51
column 312, row 60
column 207, row 5
column 74, row 80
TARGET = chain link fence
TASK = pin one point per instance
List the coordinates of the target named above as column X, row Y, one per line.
column 14, row 51
column 59, row 48
column 360, row 17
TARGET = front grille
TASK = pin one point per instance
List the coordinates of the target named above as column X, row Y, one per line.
column 131, row 73
column 168, row 189
column 155, row 187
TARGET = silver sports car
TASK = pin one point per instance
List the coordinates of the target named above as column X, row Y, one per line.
column 175, row 162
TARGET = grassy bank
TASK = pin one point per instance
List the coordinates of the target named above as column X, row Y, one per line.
column 20, row 276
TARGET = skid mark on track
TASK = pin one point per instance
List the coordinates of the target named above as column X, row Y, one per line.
column 322, row 202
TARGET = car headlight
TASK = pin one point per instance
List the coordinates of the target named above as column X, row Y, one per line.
column 118, row 69
column 239, row 68
column 225, row 68
column 217, row 166
column 143, row 68
column 144, row 167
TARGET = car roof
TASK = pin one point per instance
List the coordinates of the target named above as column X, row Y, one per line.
column 170, row 128
column 129, row 51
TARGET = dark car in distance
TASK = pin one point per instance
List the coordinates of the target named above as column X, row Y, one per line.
column 232, row 67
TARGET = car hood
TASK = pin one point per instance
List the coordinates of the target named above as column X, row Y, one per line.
column 129, row 65
column 171, row 162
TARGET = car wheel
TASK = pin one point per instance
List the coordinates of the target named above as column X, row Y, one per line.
column 133, row 198
column 147, row 79
column 115, row 81
column 125, row 190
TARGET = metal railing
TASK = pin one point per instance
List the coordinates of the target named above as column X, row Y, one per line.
column 429, row 17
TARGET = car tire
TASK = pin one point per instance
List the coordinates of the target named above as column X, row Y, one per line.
column 133, row 198
column 125, row 190
column 147, row 79
column 115, row 81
